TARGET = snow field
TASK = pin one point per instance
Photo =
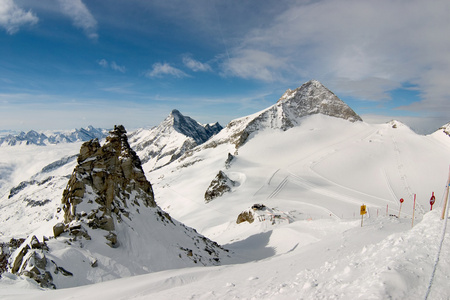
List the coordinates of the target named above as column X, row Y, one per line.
column 330, row 168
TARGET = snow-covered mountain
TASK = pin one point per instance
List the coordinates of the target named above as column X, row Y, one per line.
column 165, row 143
column 34, row 138
column 309, row 99
column 287, row 184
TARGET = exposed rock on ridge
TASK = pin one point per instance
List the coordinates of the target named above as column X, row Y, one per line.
column 445, row 129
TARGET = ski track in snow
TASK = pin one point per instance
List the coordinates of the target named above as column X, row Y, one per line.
column 305, row 173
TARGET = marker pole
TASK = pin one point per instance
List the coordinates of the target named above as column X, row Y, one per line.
column 444, row 209
column 414, row 209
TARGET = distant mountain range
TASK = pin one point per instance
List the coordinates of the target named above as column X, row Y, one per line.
column 40, row 139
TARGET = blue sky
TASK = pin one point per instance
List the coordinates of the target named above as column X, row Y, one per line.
column 70, row 63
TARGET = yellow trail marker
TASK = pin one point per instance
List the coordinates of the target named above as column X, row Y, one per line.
column 362, row 212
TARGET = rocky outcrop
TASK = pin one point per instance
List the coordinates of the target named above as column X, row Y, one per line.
column 262, row 213
column 245, row 216
column 220, row 185
column 229, row 160
column 445, row 129
column 109, row 179
column 30, row 261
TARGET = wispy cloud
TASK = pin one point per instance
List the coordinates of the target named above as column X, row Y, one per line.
column 254, row 64
column 103, row 63
column 165, row 69
column 116, row 67
column 81, row 17
column 13, row 17
column 196, row 65
column 364, row 48
column 113, row 65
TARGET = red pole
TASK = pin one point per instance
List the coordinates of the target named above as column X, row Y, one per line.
column 399, row 211
column 432, row 200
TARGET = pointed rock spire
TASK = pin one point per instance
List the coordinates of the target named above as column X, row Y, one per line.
column 107, row 180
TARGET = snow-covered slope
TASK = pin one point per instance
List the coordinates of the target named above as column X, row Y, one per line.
column 32, row 179
column 41, row 139
column 165, row 143
column 443, row 133
column 306, row 240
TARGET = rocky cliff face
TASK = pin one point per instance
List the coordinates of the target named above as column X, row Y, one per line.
column 109, row 225
column 165, row 143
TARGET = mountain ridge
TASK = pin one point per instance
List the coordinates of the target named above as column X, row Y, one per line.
column 33, row 137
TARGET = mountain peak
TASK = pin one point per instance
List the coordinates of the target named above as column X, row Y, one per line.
column 312, row 98
column 173, row 137
column 191, row 128
column 309, row 99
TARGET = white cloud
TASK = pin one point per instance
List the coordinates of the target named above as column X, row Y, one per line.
column 113, row 65
column 160, row 70
column 196, row 65
column 13, row 17
column 116, row 67
column 366, row 48
column 103, row 63
column 81, row 17
column 254, row 64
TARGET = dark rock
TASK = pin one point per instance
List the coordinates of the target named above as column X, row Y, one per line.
column 220, row 185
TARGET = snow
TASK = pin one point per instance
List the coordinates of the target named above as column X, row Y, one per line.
column 318, row 174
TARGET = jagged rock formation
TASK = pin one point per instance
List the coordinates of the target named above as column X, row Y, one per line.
column 111, row 177
column 109, row 225
column 34, row 138
column 165, row 143
column 245, row 216
column 311, row 98
column 6, row 249
column 220, row 185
